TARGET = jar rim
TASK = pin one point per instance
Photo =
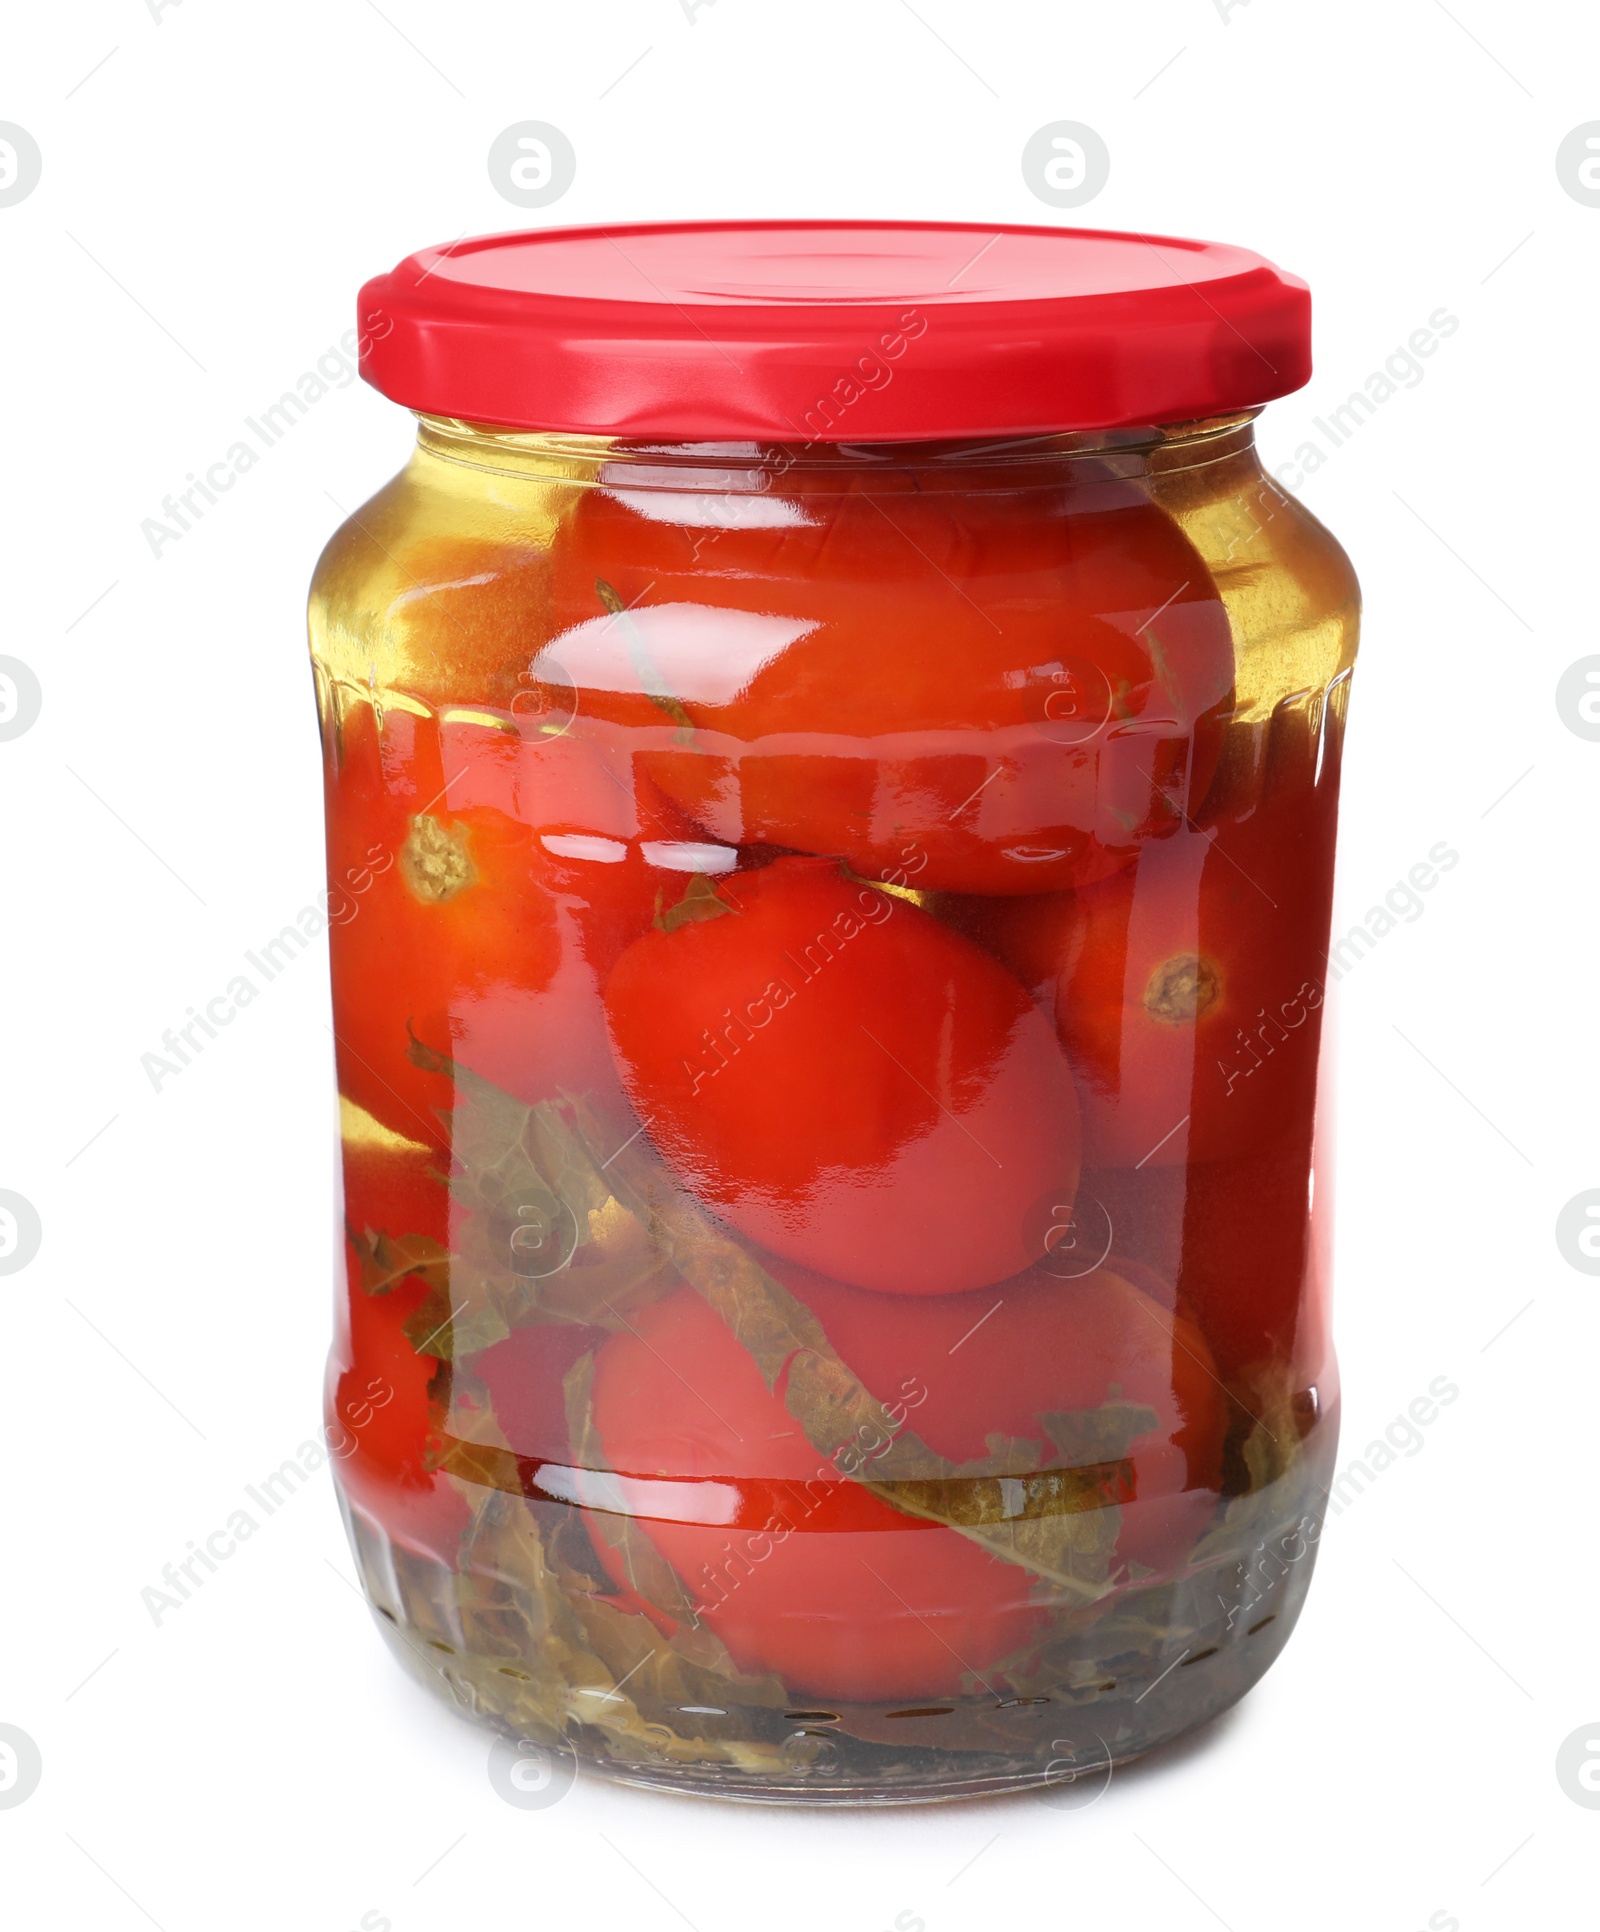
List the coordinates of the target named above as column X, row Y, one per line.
column 747, row 465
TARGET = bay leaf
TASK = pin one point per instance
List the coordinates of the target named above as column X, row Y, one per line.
column 386, row 1260
column 540, row 1235
column 701, row 901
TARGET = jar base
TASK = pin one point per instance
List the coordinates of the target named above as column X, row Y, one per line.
column 1066, row 1774
column 1158, row 1664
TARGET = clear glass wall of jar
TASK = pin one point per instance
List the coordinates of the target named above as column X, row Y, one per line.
column 829, row 964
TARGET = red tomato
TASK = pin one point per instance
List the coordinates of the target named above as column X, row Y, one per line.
column 998, row 1360
column 1187, row 990
column 978, row 690
column 846, row 1080
column 884, row 1606
column 380, row 1418
column 465, row 929
column 814, row 1578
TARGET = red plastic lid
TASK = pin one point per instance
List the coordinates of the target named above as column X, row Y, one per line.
column 830, row 332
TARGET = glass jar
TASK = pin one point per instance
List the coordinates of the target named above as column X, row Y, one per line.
column 828, row 946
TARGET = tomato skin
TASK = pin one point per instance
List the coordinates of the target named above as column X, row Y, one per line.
column 835, row 1591
column 380, row 1419
column 847, row 1081
column 1188, row 990
column 887, row 1608
column 912, row 681
column 1247, row 1249
column 462, row 929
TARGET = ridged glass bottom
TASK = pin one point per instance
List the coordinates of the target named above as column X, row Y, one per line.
column 1154, row 1663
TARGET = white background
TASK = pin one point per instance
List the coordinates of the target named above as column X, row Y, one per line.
column 218, row 179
